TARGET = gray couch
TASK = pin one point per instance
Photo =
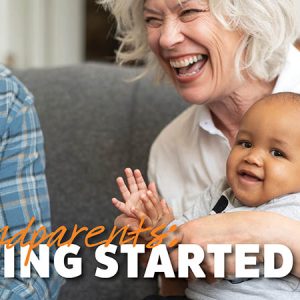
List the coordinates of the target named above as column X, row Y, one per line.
column 95, row 124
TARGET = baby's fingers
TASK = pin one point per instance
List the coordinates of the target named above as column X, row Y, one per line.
column 156, row 203
column 153, row 189
column 140, row 180
column 166, row 208
column 141, row 216
column 149, row 207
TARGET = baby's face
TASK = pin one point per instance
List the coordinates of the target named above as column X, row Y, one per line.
column 265, row 161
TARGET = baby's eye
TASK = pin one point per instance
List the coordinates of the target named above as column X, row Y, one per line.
column 153, row 22
column 245, row 144
column 277, row 153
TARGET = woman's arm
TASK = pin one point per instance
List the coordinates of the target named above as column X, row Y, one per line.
column 242, row 228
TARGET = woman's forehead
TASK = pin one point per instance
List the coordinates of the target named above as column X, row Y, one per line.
column 181, row 2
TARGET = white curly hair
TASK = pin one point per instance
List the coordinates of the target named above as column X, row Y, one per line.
column 269, row 27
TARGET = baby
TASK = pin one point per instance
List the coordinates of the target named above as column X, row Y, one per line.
column 262, row 173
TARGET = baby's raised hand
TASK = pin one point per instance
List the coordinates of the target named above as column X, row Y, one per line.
column 156, row 211
column 132, row 192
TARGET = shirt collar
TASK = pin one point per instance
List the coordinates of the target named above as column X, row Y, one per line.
column 205, row 121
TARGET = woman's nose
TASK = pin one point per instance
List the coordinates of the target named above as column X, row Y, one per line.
column 171, row 34
column 254, row 157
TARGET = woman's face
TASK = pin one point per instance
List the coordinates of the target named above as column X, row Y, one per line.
column 195, row 50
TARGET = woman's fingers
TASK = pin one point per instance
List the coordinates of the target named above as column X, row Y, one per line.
column 135, row 183
column 123, row 220
column 123, row 188
column 132, row 184
column 140, row 180
column 147, row 222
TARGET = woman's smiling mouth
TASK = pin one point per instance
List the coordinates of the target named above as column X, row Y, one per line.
column 189, row 66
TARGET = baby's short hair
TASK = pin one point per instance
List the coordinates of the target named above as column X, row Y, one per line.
column 283, row 97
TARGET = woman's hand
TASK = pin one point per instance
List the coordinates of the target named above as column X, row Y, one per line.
column 123, row 220
column 141, row 203
column 133, row 207
column 132, row 192
column 240, row 228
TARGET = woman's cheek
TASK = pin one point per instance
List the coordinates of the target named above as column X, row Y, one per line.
column 153, row 41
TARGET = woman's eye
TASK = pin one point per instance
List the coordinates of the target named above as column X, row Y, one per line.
column 187, row 12
column 277, row 153
column 245, row 144
column 190, row 14
column 153, row 22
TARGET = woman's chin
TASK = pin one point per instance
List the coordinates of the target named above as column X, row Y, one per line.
column 193, row 97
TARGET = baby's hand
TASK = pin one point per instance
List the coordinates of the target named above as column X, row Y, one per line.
column 132, row 192
column 156, row 211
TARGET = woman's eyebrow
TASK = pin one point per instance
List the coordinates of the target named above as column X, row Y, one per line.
column 179, row 4
column 150, row 10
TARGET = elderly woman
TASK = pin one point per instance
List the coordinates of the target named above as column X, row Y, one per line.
column 222, row 56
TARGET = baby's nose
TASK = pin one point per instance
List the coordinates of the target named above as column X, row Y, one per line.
column 254, row 157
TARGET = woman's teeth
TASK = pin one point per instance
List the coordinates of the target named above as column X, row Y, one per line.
column 181, row 63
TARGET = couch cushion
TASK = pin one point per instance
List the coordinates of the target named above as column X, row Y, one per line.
column 96, row 124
